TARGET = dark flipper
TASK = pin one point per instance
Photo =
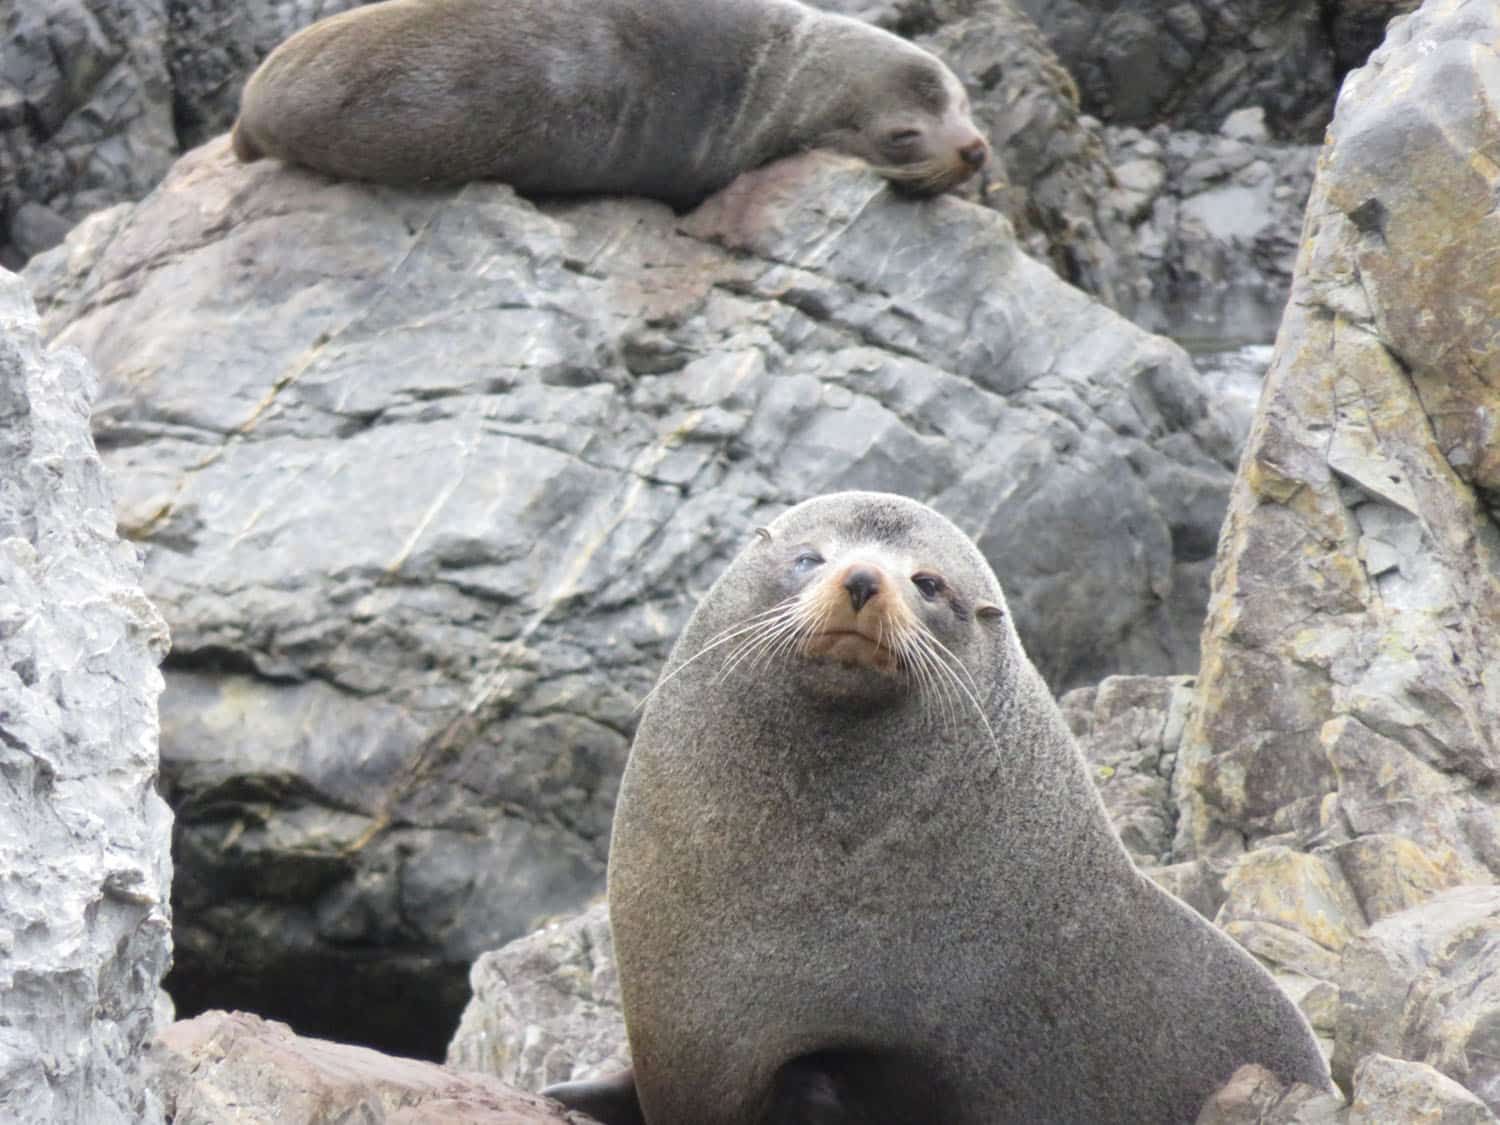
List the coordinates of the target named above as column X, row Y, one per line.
column 610, row 1100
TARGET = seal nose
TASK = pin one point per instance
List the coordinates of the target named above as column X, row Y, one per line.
column 862, row 584
column 975, row 153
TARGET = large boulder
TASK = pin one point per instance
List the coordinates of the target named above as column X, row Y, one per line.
column 431, row 480
column 84, row 926
column 1348, row 686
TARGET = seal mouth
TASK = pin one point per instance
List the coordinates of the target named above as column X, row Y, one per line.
column 852, row 647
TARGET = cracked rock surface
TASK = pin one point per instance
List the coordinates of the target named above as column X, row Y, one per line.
column 430, row 482
column 84, row 861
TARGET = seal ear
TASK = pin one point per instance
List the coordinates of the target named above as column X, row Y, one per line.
column 764, row 534
column 989, row 612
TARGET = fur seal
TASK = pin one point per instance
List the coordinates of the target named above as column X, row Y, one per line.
column 665, row 98
column 859, row 872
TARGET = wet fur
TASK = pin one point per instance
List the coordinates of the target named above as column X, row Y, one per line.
column 665, row 98
column 833, row 904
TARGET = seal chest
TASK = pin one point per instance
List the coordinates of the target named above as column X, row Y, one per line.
column 859, row 873
column 665, row 98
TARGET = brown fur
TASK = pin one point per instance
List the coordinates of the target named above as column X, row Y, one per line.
column 665, row 98
column 846, row 891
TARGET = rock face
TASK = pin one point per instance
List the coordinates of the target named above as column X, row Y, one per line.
column 84, row 926
column 1349, row 685
column 430, row 482
column 85, row 114
column 1214, row 220
column 229, row 1066
column 1143, row 62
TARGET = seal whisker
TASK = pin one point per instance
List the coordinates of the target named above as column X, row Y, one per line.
column 936, row 673
column 757, row 647
column 724, row 636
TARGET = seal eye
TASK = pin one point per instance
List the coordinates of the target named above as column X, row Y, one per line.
column 903, row 138
column 930, row 585
column 807, row 559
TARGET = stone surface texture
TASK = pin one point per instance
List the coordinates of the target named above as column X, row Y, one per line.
column 1350, row 684
column 1190, row 63
column 430, row 482
column 84, row 862
column 230, row 1068
column 85, row 114
column 546, row 1007
column 1340, row 762
column 1214, row 220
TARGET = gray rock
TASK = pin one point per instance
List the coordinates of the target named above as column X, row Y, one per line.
column 1343, row 691
column 85, row 113
column 1387, row 1089
column 1255, row 1096
column 430, row 482
column 1129, row 728
column 230, row 1066
column 1421, row 985
column 546, row 1007
column 84, row 925
column 1215, row 218
column 1189, row 64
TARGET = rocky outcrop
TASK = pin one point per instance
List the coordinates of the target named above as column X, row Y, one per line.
column 1145, row 62
column 84, row 927
column 430, row 481
column 1215, row 218
column 85, row 114
column 230, row 1066
column 1347, row 687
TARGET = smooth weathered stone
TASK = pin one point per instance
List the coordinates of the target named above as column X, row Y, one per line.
column 1349, row 684
column 84, row 861
column 430, row 481
column 231, row 1066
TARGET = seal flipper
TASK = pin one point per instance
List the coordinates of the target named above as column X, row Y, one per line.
column 611, row 1100
column 854, row 1087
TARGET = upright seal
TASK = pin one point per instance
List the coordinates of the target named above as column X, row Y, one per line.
column 859, row 872
column 665, row 98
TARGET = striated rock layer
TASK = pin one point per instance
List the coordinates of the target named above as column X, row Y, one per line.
column 84, row 862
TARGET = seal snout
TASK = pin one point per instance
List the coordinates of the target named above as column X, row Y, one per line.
column 863, row 583
column 975, row 153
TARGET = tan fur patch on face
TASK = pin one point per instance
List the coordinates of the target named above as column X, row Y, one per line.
column 865, row 635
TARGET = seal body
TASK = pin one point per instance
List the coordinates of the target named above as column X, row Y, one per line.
column 859, row 872
column 665, row 98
